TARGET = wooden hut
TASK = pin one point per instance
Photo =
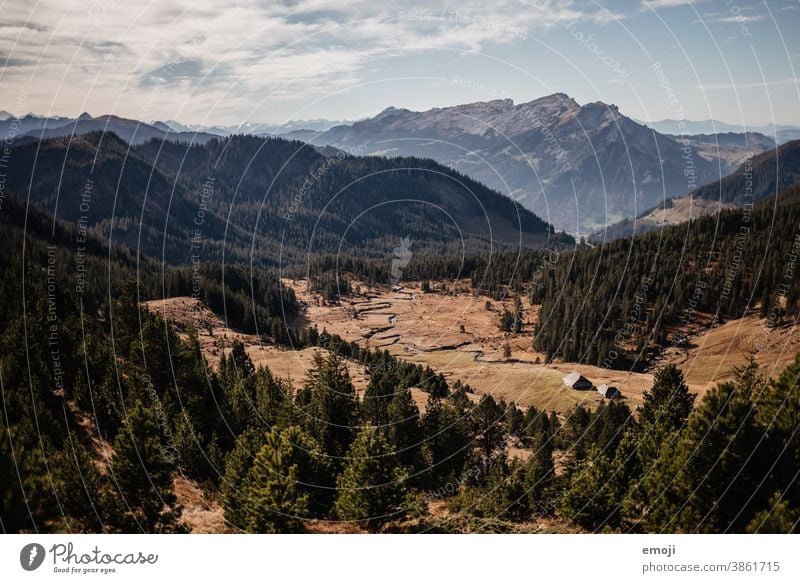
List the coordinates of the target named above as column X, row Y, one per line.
column 608, row 392
column 577, row 381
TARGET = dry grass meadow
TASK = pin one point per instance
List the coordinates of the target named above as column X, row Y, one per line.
column 453, row 332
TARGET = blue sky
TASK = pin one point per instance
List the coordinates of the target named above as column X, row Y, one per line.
column 204, row 62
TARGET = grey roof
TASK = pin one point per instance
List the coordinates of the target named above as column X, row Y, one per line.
column 607, row 391
column 575, row 378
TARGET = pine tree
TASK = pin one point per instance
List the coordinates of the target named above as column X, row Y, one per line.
column 332, row 412
column 778, row 518
column 663, row 414
column 540, row 475
column 668, row 400
column 372, row 484
column 779, row 414
column 287, row 483
column 237, row 379
column 142, row 471
column 591, row 500
column 709, row 482
column 272, row 401
column 515, row 419
column 446, row 444
column 500, row 493
column 377, row 397
column 237, row 464
column 80, row 488
column 403, row 431
column 486, row 419
column 26, row 491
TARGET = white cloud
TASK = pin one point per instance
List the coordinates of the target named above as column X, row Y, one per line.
column 743, row 86
column 668, row 3
column 741, row 18
column 105, row 52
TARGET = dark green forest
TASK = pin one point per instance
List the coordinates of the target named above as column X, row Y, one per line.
column 618, row 304
column 266, row 202
column 106, row 405
column 85, row 365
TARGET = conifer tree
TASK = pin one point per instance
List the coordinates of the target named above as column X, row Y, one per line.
column 142, row 471
column 669, row 400
column 779, row 415
column 26, row 492
column 372, row 484
column 779, row 517
column 663, row 414
column 80, row 488
column 403, row 431
column 332, row 412
column 377, row 397
column 591, row 499
column 446, row 444
column 237, row 464
column 487, row 426
column 708, row 482
column 288, row 482
column 540, row 473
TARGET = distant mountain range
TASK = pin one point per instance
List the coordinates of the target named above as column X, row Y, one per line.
column 781, row 133
column 132, row 131
column 578, row 166
column 764, row 175
column 137, row 132
column 256, row 129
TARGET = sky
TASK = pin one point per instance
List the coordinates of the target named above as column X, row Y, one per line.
column 210, row 62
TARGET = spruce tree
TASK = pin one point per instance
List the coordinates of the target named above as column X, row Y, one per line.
column 403, row 430
column 142, row 470
column 332, row 412
column 287, row 483
column 710, row 481
column 372, row 484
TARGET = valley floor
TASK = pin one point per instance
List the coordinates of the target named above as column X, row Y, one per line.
column 455, row 334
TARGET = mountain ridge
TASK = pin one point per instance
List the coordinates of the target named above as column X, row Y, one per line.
column 577, row 166
column 757, row 178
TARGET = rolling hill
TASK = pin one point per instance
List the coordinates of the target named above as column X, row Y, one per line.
column 271, row 201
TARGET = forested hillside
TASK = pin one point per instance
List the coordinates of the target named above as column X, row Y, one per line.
column 764, row 175
column 263, row 201
column 761, row 176
column 105, row 405
column 616, row 304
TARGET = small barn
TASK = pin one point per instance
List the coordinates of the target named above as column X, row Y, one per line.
column 577, row 381
column 608, row 392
